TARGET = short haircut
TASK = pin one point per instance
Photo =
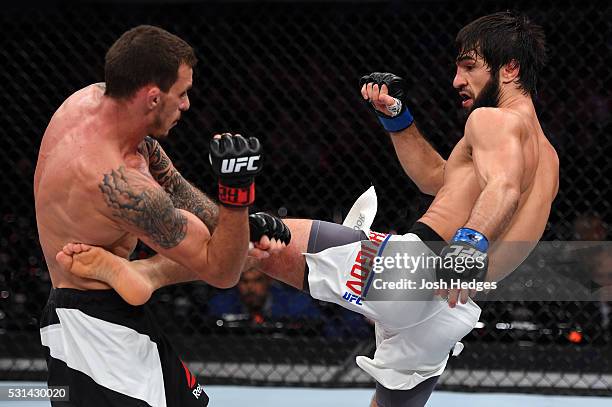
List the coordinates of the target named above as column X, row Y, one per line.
column 145, row 55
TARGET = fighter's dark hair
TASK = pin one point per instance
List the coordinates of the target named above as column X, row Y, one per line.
column 145, row 55
column 503, row 38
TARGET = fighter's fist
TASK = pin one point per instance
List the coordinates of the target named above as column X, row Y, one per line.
column 236, row 161
column 386, row 94
column 261, row 224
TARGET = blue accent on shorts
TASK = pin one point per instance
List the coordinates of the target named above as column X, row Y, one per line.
column 371, row 277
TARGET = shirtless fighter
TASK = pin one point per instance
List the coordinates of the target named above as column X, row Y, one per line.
column 497, row 186
column 100, row 179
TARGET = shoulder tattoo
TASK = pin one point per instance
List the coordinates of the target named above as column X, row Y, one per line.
column 149, row 209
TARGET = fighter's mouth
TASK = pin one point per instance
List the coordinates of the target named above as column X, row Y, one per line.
column 465, row 99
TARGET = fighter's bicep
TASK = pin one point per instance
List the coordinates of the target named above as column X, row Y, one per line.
column 495, row 142
column 143, row 207
column 503, row 163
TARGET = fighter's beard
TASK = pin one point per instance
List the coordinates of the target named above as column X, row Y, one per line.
column 489, row 95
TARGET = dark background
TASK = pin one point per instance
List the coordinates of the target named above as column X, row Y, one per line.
column 287, row 72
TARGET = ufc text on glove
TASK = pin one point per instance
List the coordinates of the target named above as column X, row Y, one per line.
column 236, row 161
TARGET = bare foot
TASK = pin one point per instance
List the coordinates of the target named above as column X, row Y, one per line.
column 98, row 264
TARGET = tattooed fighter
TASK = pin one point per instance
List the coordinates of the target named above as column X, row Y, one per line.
column 100, row 179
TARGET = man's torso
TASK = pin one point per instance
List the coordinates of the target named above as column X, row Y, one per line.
column 73, row 157
column 454, row 202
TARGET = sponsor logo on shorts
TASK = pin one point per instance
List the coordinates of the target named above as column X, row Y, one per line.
column 192, row 382
column 361, row 268
column 197, row 392
column 360, row 221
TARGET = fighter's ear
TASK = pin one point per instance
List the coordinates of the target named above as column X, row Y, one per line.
column 510, row 71
column 153, row 98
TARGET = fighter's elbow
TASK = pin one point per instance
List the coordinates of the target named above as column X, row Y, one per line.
column 430, row 188
column 223, row 272
column 225, row 283
column 433, row 183
column 221, row 279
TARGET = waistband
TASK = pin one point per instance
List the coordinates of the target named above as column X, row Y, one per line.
column 429, row 236
column 71, row 297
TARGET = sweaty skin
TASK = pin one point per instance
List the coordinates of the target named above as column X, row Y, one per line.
column 100, row 180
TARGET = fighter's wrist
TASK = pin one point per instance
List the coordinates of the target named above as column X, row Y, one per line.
column 473, row 238
column 397, row 123
column 237, row 195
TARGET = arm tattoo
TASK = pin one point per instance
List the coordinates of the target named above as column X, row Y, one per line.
column 148, row 209
column 159, row 164
column 183, row 194
column 186, row 196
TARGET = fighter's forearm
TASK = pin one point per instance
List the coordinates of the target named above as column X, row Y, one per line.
column 161, row 271
column 494, row 209
column 183, row 194
column 186, row 196
column 421, row 162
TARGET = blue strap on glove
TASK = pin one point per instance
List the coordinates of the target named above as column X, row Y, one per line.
column 465, row 257
column 398, row 123
column 472, row 237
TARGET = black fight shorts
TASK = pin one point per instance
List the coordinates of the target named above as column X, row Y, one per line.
column 110, row 353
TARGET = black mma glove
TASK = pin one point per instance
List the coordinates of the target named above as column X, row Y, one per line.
column 263, row 224
column 465, row 257
column 400, row 117
column 236, row 161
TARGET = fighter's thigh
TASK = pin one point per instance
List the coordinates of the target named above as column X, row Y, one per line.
column 83, row 390
column 288, row 266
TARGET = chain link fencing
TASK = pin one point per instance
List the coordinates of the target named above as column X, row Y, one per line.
column 288, row 73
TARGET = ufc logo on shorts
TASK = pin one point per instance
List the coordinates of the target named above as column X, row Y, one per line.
column 352, row 298
column 230, row 165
